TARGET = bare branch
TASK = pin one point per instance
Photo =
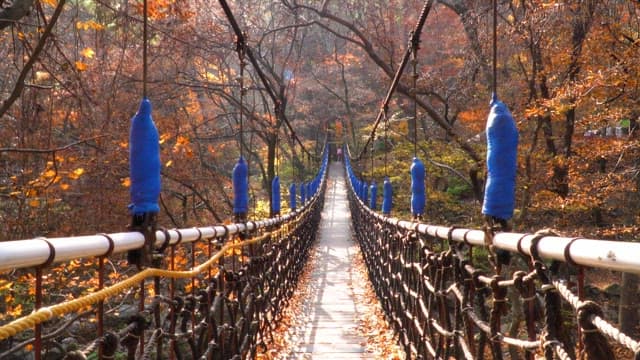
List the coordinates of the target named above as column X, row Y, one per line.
column 17, row 90
column 49, row 151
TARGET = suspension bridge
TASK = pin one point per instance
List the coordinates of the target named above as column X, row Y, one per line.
column 218, row 291
column 228, row 297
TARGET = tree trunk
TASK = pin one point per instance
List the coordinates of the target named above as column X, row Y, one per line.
column 628, row 313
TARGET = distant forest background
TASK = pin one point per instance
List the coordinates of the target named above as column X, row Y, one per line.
column 71, row 79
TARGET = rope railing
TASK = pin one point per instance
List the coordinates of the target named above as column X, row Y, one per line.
column 443, row 304
column 222, row 304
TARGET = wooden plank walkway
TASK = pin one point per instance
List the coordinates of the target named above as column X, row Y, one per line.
column 330, row 311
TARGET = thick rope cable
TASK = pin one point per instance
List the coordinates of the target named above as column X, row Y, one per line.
column 601, row 324
column 415, row 39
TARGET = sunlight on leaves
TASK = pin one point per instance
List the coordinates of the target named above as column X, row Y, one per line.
column 75, row 174
column 89, row 25
column 88, row 53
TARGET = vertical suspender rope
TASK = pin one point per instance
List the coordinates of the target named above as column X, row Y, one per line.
column 418, row 194
column 502, row 147
column 414, row 92
column 495, row 49
column 240, row 174
column 145, row 34
column 240, row 50
column 415, row 38
column 386, row 185
column 386, row 139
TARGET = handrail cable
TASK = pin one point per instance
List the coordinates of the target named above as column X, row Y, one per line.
column 413, row 43
column 241, row 39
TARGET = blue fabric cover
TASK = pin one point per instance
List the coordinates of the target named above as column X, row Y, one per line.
column 275, row 195
column 387, row 196
column 144, row 162
column 502, row 151
column 240, row 179
column 374, row 193
column 417, row 187
column 292, row 197
column 365, row 192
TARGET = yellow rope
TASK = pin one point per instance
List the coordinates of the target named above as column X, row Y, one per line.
column 48, row 313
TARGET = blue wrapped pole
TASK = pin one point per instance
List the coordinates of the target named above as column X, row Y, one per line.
column 387, row 196
column 365, row 192
column 275, row 196
column 374, row 193
column 144, row 162
column 292, row 197
column 144, row 172
column 309, row 192
column 303, row 193
column 502, row 151
column 240, row 179
column 417, row 188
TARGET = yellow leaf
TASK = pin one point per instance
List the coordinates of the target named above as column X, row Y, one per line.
column 49, row 173
column 75, row 174
column 126, row 182
column 34, row 203
column 5, row 285
column 169, row 163
column 65, row 186
column 81, row 66
column 89, row 24
column 164, row 137
column 88, row 53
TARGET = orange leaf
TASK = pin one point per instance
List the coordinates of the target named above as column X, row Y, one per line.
column 52, row 3
column 80, row 66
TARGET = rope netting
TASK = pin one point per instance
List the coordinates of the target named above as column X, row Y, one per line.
column 445, row 302
column 222, row 304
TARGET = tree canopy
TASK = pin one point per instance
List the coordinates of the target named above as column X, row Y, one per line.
column 71, row 80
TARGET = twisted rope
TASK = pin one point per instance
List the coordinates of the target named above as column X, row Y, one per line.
column 48, row 313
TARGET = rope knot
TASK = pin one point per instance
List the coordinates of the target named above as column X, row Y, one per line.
column 586, row 311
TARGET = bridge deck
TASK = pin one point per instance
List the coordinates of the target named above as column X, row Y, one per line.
column 331, row 312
